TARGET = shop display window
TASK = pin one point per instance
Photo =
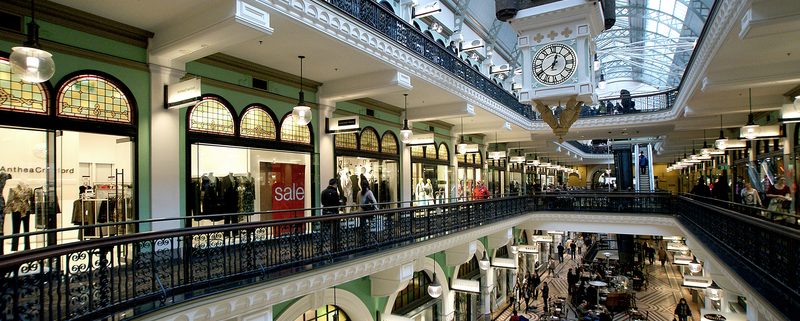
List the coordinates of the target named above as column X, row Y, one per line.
column 230, row 179
column 431, row 176
column 380, row 174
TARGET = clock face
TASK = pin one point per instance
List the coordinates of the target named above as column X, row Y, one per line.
column 554, row 63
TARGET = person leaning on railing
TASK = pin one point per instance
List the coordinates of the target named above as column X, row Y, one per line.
column 779, row 197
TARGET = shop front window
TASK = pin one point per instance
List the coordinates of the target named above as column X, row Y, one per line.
column 366, row 158
column 52, row 178
column 431, row 176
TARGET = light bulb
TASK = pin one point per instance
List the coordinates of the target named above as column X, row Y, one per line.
column 721, row 143
column 301, row 115
column 435, row 288
column 32, row 65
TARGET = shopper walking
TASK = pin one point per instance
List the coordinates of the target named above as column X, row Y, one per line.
column 330, row 198
column 367, row 202
column 572, row 279
column 572, row 248
column 642, row 163
column 662, row 255
column 545, row 294
column 551, row 267
column 682, row 310
column 560, row 253
column 651, row 254
column 750, row 195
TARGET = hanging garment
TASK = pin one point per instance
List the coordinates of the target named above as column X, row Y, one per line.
column 83, row 212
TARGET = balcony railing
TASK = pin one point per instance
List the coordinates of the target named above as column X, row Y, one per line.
column 645, row 103
column 390, row 25
column 127, row 276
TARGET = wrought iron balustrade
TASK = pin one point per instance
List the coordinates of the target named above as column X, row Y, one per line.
column 137, row 273
column 764, row 254
column 760, row 213
column 390, row 25
column 644, row 103
column 603, row 202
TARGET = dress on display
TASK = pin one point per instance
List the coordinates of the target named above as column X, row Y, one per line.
column 231, row 194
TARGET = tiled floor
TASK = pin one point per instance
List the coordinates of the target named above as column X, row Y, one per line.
column 657, row 302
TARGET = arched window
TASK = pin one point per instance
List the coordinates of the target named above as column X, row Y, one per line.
column 389, row 143
column 414, row 295
column 19, row 96
column 430, row 151
column 444, row 152
column 369, row 140
column 346, row 141
column 417, row 151
column 257, row 123
column 324, row 313
column 469, row 270
column 293, row 133
column 211, row 116
column 478, row 159
column 93, row 97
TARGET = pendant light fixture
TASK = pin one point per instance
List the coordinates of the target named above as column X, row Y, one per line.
column 406, row 133
column 495, row 155
column 434, row 288
column 750, row 131
column 694, row 265
column 29, row 62
column 301, row 113
column 721, row 143
column 484, row 263
column 602, row 83
column 535, row 161
column 461, row 148
column 596, row 63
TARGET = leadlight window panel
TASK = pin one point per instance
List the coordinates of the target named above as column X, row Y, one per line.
column 294, row 133
column 414, row 295
column 19, row 96
column 478, row 159
column 469, row 270
column 324, row 313
column 389, row 143
column 471, row 158
column 93, row 97
column 430, row 151
column 211, row 116
column 369, row 140
column 444, row 153
column 257, row 123
column 346, row 141
column 416, row 151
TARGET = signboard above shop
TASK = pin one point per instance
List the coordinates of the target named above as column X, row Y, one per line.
column 183, row 94
column 341, row 125
column 421, row 139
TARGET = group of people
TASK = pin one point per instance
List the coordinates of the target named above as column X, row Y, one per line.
column 332, row 202
column 777, row 196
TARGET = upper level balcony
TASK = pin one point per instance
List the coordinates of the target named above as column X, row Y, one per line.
column 121, row 277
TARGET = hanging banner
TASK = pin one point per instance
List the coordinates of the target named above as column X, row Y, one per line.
column 288, row 192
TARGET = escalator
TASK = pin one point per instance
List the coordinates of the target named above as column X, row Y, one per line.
column 644, row 182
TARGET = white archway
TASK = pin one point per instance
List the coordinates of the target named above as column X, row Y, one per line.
column 345, row 300
column 448, row 297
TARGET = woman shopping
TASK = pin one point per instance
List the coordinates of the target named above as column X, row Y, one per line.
column 780, row 199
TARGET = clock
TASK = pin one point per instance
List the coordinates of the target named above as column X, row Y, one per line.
column 554, row 63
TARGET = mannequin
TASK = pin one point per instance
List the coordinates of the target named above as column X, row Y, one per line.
column 419, row 192
column 344, row 185
column 3, row 178
column 428, row 191
column 19, row 206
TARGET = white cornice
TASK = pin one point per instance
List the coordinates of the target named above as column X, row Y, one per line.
column 317, row 15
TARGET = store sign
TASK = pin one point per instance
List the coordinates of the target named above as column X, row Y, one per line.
column 421, row 139
column 472, row 149
column 32, row 170
column 288, row 192
column 527, row 248
column 183, row 94
column 341, row 125
column 541, row 238
column 517, row 159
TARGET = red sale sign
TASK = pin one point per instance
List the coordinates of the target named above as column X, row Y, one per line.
column 288, row 191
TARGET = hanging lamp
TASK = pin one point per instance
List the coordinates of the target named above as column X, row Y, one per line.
column 461, row 148
column 301, row 113
column 602, row 83
column 596, row 64
column 721, row 143
column 694, row 265
column 750, row 131
column 29, row 61
column 406, row 133
column 484, row 263
column 434, row 288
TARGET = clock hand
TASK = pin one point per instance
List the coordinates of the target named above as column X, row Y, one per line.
column 553, row 65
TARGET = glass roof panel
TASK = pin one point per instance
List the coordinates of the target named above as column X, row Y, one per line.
column 651, row 41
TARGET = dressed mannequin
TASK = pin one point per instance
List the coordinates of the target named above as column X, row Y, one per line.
column 19, row 206
column 419, row 192
column 3, row 178
column 428, row 191
column 345, row 186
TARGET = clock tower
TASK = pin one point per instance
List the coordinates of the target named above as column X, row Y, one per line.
column 557, row 45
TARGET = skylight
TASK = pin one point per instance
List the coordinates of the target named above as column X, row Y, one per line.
column 651, row 42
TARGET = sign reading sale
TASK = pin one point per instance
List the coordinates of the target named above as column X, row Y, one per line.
column 288, row 191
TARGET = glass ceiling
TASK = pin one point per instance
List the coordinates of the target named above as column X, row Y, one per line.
column 652, row 41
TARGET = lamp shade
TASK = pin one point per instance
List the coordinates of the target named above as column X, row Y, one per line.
column 484, row 263
column 31, row 64
column 461, row 148
column 750, row 131
column 405, row 135
column 435, row 288
column 695, row 266
column 301, row 115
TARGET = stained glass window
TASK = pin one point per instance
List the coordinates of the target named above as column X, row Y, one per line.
column 444, row 153
column 369, row 140
column 257, row 123
column 346, row 141
column 324, row 313
column 478, row 159
column 294, row 133
column 93, row 97
column 471, row 158
column 416, row 151
column 430, row 151
column 389, row 143
column 17, row 95
column 211, row 116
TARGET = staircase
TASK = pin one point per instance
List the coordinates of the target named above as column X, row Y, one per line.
column 644, row 183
